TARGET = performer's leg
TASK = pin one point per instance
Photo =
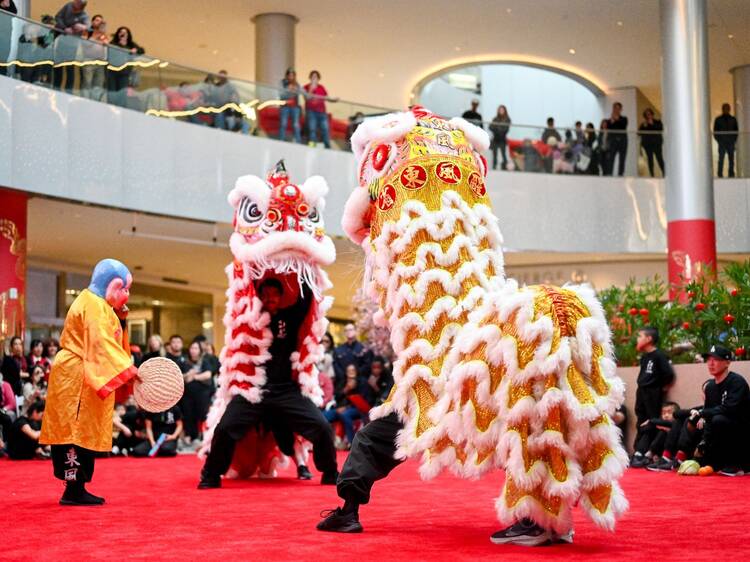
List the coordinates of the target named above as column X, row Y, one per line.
column 239, row 416
column 75, row 466
column 371, row 459
column 304, row 418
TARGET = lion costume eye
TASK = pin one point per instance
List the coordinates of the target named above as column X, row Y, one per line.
column 249, row 211
column 314, row 216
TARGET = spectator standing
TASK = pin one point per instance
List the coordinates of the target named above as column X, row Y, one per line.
column 155, row 347
column 652, row 139
column 617, row 126
column 315, row 110
column 35, row 46
column 604, row 157
column 209, row 357
column 93, row 75
column 472, row 115
column 14, row 368
column 6, row 25
column 122, row 75
column 290, row 91
column 23, row 440
column 199, row 388
column 351, row 352
column 499, row 128
column 550, row 132
column 654, row 377
column 174, row 353
column 725, row 133
column 326, row 374
column 589, row 151
column 73, row 21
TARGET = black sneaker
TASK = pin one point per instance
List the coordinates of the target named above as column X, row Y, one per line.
column 524, row 533
column 208, row 482
column 336, row 521
column 303, row 473
column 639, row 461
column 77, row 495
column 99, row 499
column 565, row 538
column 662, row 465
column 731, row 471
column 329, row 478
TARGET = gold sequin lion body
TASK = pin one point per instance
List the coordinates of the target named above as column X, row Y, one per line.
column 488, row 374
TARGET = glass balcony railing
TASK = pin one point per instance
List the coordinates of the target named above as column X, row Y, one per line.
column 41, row 55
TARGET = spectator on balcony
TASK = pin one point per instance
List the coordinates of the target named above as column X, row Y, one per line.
column 73, row 21
column 225, row 93
column 35, row 48
column 354, row 121
column 120, row 72
column 499, row 128
column 550, row 132
column 315, row 110
column 94, row 73
column 589, row 152
column 725, row 133
column 602, row 149
column 14, row 368
column 472, row 115
column 652, row 139
column 6, row 25
column 290, row 92
column 617, row 126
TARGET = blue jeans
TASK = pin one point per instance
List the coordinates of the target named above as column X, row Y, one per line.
column 293, row 112
column 317, row 119
column 347, row 418
column 224, row 121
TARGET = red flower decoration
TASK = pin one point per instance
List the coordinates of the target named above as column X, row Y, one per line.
column 633, row 311
column 691, row 294
column 734, row 292
column 700, row 306
column 686, row 325
column 728, row 318
column 643, row 312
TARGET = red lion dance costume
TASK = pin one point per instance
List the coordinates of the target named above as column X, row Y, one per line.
column 278, row 233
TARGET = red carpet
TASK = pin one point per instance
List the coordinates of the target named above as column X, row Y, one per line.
column 154, row 511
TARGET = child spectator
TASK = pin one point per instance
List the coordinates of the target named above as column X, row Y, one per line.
column 168, row 423
column 655, row 375
column 653, row 436
column 23, row 438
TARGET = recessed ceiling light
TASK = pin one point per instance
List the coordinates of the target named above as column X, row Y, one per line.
column 619, row 24
column 457, row 48
column 508, row 10
column 381, row 75
column 730, row 36
column 572, row 51
column 215, row 52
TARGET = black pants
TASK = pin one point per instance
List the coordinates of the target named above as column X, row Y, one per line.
column 70, row 77
column 299, row 413
column 499, row 144
column 370, row 459
column 619, row 149
column 123, row 442
column 728, row 150
column 725, row 442
column 683, row 436
column 651, row 152
column 195, row 403
column 648, row 402
column 72, row 463
column 167, row 449
column 651, row 439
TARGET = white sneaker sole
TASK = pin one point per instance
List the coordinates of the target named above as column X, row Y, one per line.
column 524, row 540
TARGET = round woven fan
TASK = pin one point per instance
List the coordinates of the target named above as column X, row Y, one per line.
column 159, row 385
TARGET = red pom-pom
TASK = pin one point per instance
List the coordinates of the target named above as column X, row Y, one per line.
column 728, row 318
column 380, row 157
column 633, row 311
column 686, row 325
column 734, row 292
column 643, row 312
column 739, row 352
column 700, row 306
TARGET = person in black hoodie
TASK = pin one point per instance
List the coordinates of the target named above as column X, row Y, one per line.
column 724, row 416
column 655, row 375
column 725, row 133
column 652, row 139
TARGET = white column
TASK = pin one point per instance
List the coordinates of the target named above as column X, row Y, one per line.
column 741, row 83
column 691, row 235
column 24, row 8
column 274, row 46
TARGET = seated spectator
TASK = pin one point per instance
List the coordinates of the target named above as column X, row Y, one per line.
column 36, row 357
column 652, row 436
column 550, row 132
column 23, row 438
column 35, row 388
column 125, row 435
column 717, row 430
column 349, row 404
column 379, row 382
column 680, row 442
column 168, row 423
column 14, row 368
column 7, row 409
column 51, row 347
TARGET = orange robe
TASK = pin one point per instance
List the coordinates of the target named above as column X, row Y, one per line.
column 92, row 363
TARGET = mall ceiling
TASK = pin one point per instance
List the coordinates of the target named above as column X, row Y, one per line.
column 375, row 52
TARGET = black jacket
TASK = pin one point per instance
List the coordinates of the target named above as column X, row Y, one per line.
column 730, row 398
column 725, row 124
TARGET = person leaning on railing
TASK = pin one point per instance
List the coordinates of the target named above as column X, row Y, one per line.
column 73, row 21
column 120, row 74
column 6, row 24
column 652, row 139
column 617, row 125
column 290, row 90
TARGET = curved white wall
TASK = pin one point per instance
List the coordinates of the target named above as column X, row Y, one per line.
column 72, row 148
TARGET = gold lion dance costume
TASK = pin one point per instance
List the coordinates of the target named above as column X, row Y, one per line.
column 93, row 361
column 489, row 374
column 275, row 318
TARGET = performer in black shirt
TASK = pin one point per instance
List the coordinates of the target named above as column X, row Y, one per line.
column 282, row 396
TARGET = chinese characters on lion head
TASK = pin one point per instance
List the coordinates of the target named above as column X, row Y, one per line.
column 488, row 374
column 278, row 233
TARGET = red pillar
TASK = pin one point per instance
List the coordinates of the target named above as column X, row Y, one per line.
column 13, row 210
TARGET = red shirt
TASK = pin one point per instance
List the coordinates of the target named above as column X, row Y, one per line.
column 316, row 104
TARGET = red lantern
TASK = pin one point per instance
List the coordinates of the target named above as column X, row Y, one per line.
column 739, row 352
column 633, row 311
column 691, row 294
column 700, row 306
column 728, row 318
column 643, row 312
column 686, row 325
column 733, row 292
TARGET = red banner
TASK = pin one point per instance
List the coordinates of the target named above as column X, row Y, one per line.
column 13, row 211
